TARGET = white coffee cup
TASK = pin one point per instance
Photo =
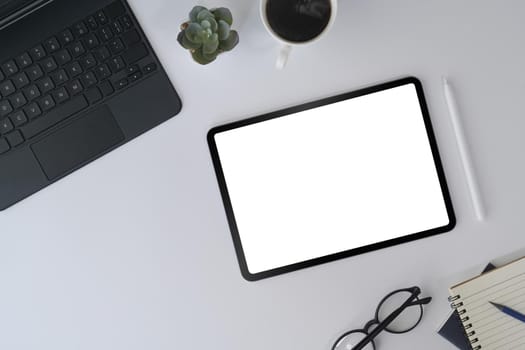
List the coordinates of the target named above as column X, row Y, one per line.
column 287, row 45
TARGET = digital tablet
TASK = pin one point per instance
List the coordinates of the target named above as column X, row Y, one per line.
column 331, row 179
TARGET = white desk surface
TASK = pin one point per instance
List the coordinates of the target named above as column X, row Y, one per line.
column 134, row 252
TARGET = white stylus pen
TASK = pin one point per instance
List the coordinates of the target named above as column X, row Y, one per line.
column 468, row 168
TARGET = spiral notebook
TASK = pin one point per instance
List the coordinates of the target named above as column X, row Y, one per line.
column 452, row 329
column 486, row 327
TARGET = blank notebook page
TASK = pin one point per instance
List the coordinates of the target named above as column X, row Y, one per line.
column 493, row 328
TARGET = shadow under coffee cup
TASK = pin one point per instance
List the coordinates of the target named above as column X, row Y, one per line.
column 297, row 22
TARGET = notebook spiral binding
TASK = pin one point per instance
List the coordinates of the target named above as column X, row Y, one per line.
column 456, row 305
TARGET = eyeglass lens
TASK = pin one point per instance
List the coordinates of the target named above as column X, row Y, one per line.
column 407, row 320
column 351, row 339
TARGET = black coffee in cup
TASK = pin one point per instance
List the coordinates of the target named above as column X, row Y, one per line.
column 298, row 20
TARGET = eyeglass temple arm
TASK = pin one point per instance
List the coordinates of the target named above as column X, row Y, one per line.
column 423, row 301
column 380, row 327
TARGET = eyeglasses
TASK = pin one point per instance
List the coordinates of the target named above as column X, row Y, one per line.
column 398, row 312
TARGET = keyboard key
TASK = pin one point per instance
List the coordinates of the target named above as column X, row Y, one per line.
column 91, row 41
column 32, row 111
column 51, row 44
column 61, row 95
column 10, row 68
column 126, row 22
column 60, row 77
column 116, row 27
column 135, row 53
column 24, row 60
column 92, row 23
column 102, row 53
column 116, row 64
column 49, row 64
column 73, row 69
column 135, row 76
column 79, row 29
column 45, row 85
column 122, row 83
column 93, row 95
column 106, row 88
column 35, row 72
column 18, row 100
column 7, row 88
column 131, row 37
column 105, row 33
column 102, row 72
column 115, row 9
column 66, row 37
column 46, row 103
column 77, row 49
column 101, row 17
column 74, row 87
column 132, row 69
column 88, row 61
column 88, row 79
column 5, row 108
column 32, row 92
column 37, row 53
column 63, row 57
column 15, row 138
column 6, row 126
column 4, row 146
column 21, row 80
column 19, row 118
column 59, row 114
column 116, row 46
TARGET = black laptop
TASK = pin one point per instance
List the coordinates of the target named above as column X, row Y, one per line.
column 77, row 79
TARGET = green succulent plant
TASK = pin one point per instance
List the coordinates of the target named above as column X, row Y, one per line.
column 208, row 33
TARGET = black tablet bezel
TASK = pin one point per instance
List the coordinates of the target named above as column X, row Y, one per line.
column 351, row 252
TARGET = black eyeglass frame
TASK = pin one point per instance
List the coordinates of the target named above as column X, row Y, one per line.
column 412, row 300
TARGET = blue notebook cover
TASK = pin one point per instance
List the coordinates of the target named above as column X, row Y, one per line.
column 452, row 330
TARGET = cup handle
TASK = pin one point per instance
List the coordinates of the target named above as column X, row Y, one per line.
column 283, row 56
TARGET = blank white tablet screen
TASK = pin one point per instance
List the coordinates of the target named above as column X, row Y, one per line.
column 332, row 178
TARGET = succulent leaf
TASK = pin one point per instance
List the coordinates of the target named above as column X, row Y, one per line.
column 212, row 56
column 195, row 11
column 213, row 23
column 224, row 30
column 230, row 42
column 211, row 45
column 190, row 45
column 194, row 33
column 204, row 14
column 180, row 37
column 206, row 24
column 224, row 14
column 199, row 57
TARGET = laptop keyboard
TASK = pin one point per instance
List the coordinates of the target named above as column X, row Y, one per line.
column 80, row 66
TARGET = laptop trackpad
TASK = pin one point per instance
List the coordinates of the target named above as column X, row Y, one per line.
column 78, row 143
